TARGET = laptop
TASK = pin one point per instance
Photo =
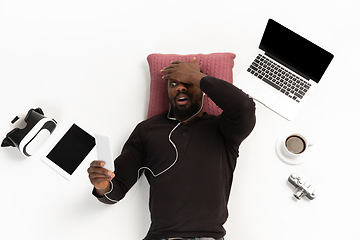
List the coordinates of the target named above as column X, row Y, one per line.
column 285, row 70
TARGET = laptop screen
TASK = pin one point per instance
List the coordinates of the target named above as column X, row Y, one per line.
column 294, row 51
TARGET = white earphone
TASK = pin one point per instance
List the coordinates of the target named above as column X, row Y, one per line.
column 172, row 143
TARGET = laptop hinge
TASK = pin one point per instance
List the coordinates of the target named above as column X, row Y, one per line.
column 288, row 66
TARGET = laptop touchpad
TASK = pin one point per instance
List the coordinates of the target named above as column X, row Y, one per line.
column 267, row 95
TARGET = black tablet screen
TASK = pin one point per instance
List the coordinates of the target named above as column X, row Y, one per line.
column 72, row 149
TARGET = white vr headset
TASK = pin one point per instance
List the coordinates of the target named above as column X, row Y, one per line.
column 29, row 138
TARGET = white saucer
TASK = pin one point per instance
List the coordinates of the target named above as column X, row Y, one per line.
column 291, row 160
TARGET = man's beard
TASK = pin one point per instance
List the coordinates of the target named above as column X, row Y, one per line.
column 183, row 113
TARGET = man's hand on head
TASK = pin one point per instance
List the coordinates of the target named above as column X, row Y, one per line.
column 184, row 72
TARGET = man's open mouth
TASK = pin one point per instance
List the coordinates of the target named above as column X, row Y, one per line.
column 182, row 99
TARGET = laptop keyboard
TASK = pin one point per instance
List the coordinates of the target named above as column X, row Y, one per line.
column 279, row 78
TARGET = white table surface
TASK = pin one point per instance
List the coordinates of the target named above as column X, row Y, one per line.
column 87, row 59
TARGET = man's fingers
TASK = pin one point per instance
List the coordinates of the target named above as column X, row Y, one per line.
column 97, row 164
column 99, row 179
column 173, row 64
column 167, row 71
column 168, row 68
column 193, row 60
column 104, row 174
column 101, row 171
column 96, row 177
column 97, row 167
column 176, row 62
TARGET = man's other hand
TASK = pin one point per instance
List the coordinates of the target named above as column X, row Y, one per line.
column 100, row 177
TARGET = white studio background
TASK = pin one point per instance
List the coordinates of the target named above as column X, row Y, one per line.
column 87, row 60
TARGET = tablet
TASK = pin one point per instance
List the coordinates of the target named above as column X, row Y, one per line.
column 103, row 150
column 66, row 155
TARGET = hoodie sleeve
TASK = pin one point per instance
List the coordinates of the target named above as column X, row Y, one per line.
column 238, row 117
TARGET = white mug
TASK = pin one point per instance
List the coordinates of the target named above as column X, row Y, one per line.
column 295, row 145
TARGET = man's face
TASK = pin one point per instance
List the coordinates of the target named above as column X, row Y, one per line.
column 185, row 99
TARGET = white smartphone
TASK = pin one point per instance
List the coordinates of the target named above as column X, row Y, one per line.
column 104, row 153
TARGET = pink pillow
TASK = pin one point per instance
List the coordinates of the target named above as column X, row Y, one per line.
column 217, row 65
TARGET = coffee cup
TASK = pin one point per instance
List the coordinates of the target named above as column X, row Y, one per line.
column 295, row 145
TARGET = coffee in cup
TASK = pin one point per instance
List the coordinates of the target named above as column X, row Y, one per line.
column 292, row 147
column 295, row 144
